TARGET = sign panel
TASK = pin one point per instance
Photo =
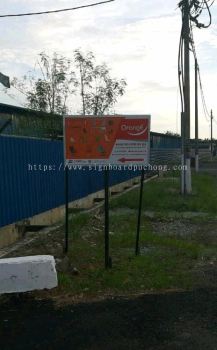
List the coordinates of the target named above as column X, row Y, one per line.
column 115, row 140
column 5, row 80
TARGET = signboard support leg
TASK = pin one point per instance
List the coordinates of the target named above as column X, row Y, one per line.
column 125, row 140
column 66, row 173
column 139, row 212
column 108, row 262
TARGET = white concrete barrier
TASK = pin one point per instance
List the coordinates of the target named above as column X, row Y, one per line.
column 27, row 273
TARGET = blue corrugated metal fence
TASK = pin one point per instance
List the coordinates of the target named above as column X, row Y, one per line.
column 26, row 189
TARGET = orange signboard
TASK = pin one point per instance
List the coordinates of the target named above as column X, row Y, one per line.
column 107, row 139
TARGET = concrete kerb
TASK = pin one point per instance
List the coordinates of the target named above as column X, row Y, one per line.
column 23, row 274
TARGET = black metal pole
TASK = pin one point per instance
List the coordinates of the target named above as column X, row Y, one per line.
column 106, row 185
column 183, row 153
column 66, row 209
column 140, row 211
column 211, row 118
column 196, row 118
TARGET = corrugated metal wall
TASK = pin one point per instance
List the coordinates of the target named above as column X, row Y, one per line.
column 25, row 192
column 165, row 149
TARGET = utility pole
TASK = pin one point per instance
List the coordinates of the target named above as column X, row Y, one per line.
column 196, row 118
column 186, row 126
column 211, row 138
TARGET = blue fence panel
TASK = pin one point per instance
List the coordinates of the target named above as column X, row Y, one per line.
column 32, row 176
column 27, row 187
column 118, row 176
column 79, row 183
column 164, row 141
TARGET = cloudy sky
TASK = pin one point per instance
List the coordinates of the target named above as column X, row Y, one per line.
column 138, row 39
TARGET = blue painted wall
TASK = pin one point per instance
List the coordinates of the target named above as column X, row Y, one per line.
column 25, row 192
column 164, row 141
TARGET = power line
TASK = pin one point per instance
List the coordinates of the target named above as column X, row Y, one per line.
column 180, row 72
column 204, row 105
column 206, row 112
column 55, row 11
column 196, row 9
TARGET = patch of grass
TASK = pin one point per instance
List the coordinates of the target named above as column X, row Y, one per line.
column 78, row 221
column 165, row 196
column 64, row 280
column 166, row 263
column 183, row 247
column 156, row 270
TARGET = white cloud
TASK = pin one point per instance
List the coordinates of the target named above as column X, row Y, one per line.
column 138, row 39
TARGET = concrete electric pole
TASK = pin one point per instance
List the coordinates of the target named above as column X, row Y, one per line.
column 191, row 11
column 186, row 126
column 211, row 136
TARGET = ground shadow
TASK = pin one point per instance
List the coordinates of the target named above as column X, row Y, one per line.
column 175, row 320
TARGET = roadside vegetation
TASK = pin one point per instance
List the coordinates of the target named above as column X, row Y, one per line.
column 163, row 195
column 178, row 243
column 171, row 256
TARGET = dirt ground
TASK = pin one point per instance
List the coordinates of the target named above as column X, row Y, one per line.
column 175, row 320
column 169, row 320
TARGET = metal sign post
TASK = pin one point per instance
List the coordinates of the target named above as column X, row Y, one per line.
column 108, row 261
column 139, row 212
column 66, row 248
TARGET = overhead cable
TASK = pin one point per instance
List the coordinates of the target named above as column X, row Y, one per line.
column 55, row 11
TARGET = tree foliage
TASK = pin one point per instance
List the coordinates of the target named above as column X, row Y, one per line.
column 58, row 82
column 99, row 91
column 50, row 92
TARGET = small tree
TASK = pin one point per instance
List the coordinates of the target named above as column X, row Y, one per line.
column 50, row 92
column 85, row 65
column 99, row 91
